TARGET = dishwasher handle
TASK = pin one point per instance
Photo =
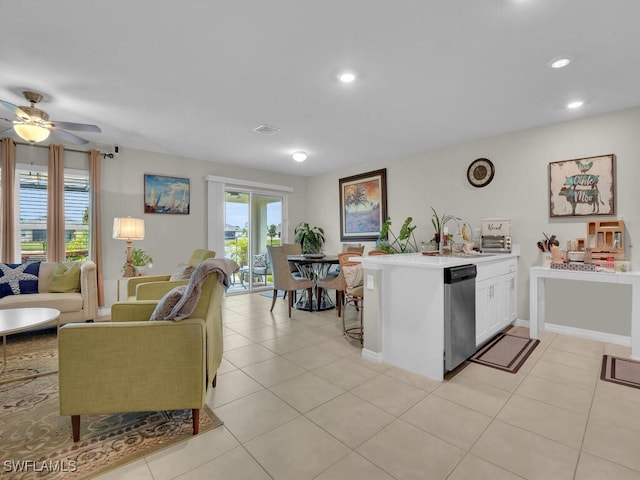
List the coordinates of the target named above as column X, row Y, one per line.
column 459, row 273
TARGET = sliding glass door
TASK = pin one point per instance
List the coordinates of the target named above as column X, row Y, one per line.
column 253, row 220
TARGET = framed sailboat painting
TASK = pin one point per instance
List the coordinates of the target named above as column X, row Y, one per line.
column 166, row 194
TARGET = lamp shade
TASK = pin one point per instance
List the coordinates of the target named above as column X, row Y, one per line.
column 127, row 228
column 31, row 133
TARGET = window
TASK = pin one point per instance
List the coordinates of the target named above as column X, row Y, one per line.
column 32, row 205
column 76, row 214
column 32, row 208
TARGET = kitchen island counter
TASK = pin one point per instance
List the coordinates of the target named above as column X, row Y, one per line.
column 419, row 260
column 404, row 306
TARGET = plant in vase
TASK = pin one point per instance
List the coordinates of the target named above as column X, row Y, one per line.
column 404, row 242
column 310, row 238
column 439, row 223
column 140, row 259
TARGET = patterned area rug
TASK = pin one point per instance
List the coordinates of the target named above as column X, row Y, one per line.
column 620, row 370
column 505, row 352
column 35, row 441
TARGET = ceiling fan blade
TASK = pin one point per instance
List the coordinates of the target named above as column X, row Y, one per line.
column 9, row 106
column 81, row 127
column 68, row 136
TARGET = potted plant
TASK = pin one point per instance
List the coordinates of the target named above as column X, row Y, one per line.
column 404, row 242
column 439, row 222
column 140, row 259
column 310, row 238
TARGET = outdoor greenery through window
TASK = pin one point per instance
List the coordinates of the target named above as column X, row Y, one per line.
column 33, row 213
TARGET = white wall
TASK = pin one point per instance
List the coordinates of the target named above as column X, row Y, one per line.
column 519, row 190
column 170, row 239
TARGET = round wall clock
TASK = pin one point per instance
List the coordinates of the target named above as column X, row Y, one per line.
column 480, row 172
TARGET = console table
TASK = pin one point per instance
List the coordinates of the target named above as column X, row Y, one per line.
column 537, row 285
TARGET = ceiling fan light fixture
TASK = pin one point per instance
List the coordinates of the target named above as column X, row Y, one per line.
column 299, row 156
column 31, row 133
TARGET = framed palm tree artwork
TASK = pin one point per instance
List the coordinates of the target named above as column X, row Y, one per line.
column 363, row 205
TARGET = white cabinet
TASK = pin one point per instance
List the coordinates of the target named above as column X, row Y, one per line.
column 496, row 297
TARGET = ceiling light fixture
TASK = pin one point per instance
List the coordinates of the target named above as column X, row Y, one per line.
column 299, row 156
column 576, row 104
column 31, row 133
column 559, row 62
column 347, row 77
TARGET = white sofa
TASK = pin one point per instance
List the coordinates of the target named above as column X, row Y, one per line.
column 74, row 307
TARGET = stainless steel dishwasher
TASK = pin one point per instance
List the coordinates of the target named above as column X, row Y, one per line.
column 459, row 315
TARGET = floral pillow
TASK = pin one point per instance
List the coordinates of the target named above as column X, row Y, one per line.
column 18, row 278
column 260, row 260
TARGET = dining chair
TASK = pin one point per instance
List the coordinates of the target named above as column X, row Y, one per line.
column 337, row 282
column 283, row 278
column 353, row 247
column 353, row 293
column 377, row 252
column 334, row 270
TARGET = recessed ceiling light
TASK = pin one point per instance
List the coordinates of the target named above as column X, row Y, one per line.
column 560, row 62
column 299, row 156
column 347, row 77
column 576, row 104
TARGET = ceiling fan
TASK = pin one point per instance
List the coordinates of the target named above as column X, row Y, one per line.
column 33, row 124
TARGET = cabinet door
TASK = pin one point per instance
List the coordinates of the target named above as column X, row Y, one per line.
column 497, row 304
column 513, row 297
column 483, row 299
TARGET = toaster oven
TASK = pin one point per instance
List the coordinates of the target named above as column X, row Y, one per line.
column 496, row 244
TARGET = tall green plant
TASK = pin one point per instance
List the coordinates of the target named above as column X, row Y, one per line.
column 404, row 242
column 310, row 238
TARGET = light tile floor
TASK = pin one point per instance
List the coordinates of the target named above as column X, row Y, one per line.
column 298, row 402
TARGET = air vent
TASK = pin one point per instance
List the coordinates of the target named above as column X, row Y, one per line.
column 266, row 129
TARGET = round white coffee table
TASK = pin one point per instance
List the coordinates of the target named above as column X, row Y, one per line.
column 15, row 320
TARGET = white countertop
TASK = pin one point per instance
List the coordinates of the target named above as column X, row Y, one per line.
column 418, row 260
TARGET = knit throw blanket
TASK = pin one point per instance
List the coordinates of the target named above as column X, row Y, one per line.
column 187, row 303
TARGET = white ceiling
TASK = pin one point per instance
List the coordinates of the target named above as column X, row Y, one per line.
column 194, row 77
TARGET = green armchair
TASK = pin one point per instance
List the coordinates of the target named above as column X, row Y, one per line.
column 133, row 364
column 154, row 287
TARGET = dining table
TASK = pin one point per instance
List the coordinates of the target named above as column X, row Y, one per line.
column 315, row 268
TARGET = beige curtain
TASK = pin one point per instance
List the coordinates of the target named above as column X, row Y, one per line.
column 7, row 218
column 95, row 220
column 55, row 205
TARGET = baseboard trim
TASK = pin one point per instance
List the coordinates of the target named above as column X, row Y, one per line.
column 371, row 356
column 581, row 333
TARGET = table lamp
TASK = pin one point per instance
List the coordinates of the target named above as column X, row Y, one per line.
column 129, row 229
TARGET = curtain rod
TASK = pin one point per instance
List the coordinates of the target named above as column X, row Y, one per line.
column 47, row 146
